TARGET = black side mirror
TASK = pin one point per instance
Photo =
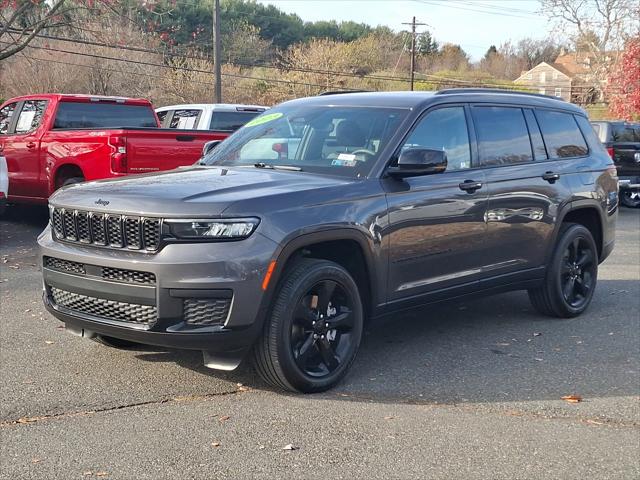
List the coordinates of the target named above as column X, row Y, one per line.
column 414, row 162
column 209, row 146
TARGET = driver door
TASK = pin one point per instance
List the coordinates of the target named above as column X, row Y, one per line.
column 436, row 228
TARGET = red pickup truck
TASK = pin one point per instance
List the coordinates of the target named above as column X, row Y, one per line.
column 53, row 140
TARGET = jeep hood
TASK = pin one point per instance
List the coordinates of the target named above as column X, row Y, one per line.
column 193, row 191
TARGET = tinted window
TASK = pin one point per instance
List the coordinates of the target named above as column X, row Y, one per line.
column 625, row 133
column 561, row 134
column 30, row 115
column 588, row 131
column 185, row 119
column 503, row 138
column 5, row 118
column 103, row 115
column 230, row 121
column 444, row 129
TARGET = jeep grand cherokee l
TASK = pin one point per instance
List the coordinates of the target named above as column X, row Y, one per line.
column 325, row 212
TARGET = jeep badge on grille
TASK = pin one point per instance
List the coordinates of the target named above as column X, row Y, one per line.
column 104, row 203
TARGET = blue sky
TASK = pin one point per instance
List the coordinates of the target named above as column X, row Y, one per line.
column 473, row 24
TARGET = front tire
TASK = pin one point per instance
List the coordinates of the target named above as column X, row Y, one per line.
column 312, row 336
column 571, row 275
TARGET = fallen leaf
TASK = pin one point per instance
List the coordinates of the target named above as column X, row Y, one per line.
column 389, row 417
column 215, row 444
column 224, row 418
column 536, row 334
column 261, row 447
column 36, row 460
column 572, row 398
column 289, row 447
column 88, row 472
column 101, row 474
column 503, row 344
column 539, row 359
column 15, row 267
column 595, row 422
column 48, row 342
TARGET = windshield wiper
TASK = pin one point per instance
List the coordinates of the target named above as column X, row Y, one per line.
column 291, row 168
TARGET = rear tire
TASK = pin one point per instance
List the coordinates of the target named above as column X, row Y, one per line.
column 571, row 275
column 630, row 198
column 115, row 342
column 312, row 336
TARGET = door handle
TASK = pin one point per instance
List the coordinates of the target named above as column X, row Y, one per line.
column 551, row 177
column 31, row 145
column 185, row 138
column 470, row 186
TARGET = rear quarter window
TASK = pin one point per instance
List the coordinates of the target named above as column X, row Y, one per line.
column 103, row 115
column 561, row 134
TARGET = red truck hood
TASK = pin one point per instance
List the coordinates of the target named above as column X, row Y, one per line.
column 192, row 191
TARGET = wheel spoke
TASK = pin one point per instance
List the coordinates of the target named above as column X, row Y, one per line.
column 585, row 259
column 304, row 351
column 329, row 357
column 568, row 289
column 575, row 245
column 304, row 314
column 581, row 287
column 325, row 292
column 565, row 268
column 342, row 321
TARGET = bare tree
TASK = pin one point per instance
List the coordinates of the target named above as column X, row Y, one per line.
column 598, row 30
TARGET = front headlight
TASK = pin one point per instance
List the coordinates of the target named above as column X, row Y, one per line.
column 219, row 229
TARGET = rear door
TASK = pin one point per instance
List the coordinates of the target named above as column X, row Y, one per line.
column 22, row 150
column 526, row 188
column 436, row 232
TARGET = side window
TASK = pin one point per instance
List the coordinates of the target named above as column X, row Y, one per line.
column 503, row 137
column 561, row 134
column 185, row 119
column 589, row 132
column 444, row 129
column 5, row 118
column 625, row 133
column 30, row 116
column 539, row 152
column 162, row 116
column 230, row 121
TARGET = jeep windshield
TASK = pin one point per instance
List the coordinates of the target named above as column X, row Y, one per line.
column 337, row 140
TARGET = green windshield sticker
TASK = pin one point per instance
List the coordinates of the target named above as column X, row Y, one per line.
column 263, row 119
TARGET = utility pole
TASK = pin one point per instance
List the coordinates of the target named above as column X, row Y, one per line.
column 413, row 48
column 216, row 52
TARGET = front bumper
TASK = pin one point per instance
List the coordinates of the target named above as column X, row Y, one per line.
column 204, row 296
column 629, row 182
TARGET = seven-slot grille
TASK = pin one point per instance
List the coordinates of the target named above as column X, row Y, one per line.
column 108, row 309
column 116, row 231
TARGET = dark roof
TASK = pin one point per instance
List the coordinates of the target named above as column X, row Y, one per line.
column 420, row 100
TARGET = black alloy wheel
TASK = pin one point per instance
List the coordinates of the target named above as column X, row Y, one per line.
column 313, row 333
column 578, row 272
column 630, row 198
column 321, row 331
column 571, row 274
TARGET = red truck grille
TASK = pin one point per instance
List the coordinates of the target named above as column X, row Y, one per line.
column 106, row 230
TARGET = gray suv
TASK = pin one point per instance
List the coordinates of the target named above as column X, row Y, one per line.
column 325, row 212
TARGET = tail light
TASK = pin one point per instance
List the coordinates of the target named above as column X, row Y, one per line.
column 118, row 154
column 282, row 149
column 611, row 153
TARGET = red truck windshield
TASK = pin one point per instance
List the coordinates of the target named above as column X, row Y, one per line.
column 103, row 115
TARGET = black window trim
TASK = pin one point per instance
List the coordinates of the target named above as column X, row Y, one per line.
column 473, row 152
column 537, row 124
column 14, row 120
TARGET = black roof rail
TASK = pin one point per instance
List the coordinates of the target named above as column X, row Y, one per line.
column 339, row 92
column 449, row 91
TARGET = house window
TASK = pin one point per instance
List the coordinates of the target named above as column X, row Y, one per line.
column 543, row 77
column 558, row 92
column 555, row 75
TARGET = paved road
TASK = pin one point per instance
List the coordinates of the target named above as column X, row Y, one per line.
column 461, row 390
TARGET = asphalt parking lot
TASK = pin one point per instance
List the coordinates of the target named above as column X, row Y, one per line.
column 458, row 390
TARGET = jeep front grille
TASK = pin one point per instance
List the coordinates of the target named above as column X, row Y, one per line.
column 107, row 273
column 115, row 231
column 102, row 308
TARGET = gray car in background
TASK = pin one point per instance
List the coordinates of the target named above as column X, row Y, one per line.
column 323, row 213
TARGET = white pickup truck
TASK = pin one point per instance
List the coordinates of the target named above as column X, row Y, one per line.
column 223, row 117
